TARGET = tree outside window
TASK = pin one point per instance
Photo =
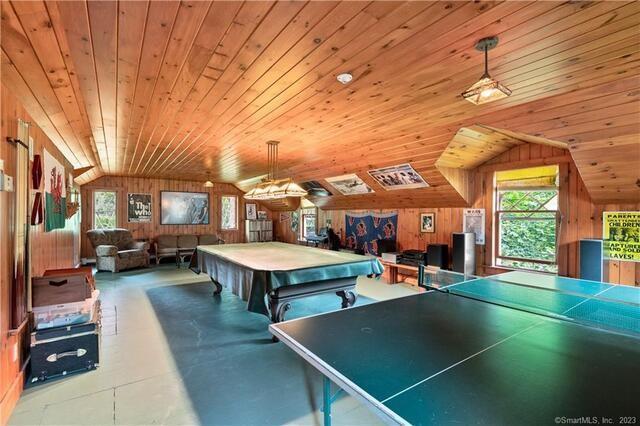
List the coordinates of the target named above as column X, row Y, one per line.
column 229, row 212
column 527, row 219
column 104, row 209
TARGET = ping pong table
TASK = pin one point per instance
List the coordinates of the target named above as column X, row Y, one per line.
column 514, row 348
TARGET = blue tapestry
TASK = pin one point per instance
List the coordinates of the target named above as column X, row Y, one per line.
column 363, row 230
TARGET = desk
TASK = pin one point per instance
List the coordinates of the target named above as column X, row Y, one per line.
column 516, row 348
column 270, row 275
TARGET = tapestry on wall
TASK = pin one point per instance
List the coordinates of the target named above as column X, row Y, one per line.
column 621, row 235
column 363, row 230
column 55, row 204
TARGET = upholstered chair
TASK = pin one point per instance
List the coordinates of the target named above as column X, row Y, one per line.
column 116, row 250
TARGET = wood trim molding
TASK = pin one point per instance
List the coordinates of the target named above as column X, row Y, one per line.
column 526, row 163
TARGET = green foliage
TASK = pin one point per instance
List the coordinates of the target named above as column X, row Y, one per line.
column 104, row 209
column 530, row 234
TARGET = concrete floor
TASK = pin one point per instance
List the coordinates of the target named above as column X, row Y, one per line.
column 140, row 381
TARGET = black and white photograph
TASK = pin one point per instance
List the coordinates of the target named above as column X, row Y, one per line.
column 139, row 208
column 349, row 184
column 184, row 208
column 251, row 211
column 402, row 176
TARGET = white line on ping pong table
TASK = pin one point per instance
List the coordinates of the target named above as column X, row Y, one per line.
column 487, row 348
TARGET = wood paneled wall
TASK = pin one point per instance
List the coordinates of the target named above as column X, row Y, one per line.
column 125, row 185
column 581, row 218
column 56, row 249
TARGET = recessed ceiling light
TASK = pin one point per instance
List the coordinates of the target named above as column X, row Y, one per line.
column 344, row 78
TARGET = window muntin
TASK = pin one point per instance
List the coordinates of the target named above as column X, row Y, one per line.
column 105, row 211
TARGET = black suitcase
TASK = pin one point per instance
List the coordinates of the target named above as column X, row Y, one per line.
column 63, row 350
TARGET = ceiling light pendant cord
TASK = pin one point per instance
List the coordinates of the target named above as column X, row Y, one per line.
column 486, row 61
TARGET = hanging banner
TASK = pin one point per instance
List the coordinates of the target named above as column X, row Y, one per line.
column 139, row 208
column 473, row 221
column 55, row 205
column 621, row 235
column 364, row 230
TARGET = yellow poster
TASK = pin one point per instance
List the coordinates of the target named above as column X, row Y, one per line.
column 621, row 235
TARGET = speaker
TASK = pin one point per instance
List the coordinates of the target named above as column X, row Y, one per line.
column 438, row 255
column 464, row 252
column 591, row 260
column 386, row 246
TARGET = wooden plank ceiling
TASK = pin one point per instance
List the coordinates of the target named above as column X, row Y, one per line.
column 179, row 89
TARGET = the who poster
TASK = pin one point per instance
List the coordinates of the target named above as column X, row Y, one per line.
column 365, row 230
column 473, row 221
column 139, row 208
column 55, row 207
column 621, row 235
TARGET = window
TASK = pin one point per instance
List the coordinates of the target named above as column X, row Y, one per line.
column 229, row 212
column 104, row 209
column 308, row 223
column 527, row 216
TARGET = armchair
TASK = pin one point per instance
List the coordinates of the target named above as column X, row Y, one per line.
column 116, row 250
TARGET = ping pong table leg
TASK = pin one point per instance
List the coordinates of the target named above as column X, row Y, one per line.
column 326, row 400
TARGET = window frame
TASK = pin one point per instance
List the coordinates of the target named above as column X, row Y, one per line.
column 303, row 214
column 498, row 226
column 93, row 207
column 237, row 217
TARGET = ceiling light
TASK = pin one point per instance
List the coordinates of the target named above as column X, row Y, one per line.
column 486, row 89
column 208, row 183
column 273, row 188
column 344, row 78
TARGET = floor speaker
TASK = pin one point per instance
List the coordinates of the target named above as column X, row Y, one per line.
column 464, row 252
column 591, row 260
column 438, row 255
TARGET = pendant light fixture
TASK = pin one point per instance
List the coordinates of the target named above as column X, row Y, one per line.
column 208, row 183
column 273, row 188
column 486, row 89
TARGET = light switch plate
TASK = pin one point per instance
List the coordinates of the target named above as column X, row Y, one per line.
column 8, row 183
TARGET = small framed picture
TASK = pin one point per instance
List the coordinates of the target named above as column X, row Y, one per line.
column 427, row 222
column 262, row 215
column 251, row 210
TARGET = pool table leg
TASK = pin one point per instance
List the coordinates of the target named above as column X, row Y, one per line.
column 218, row 287
column 348, row 298
column 277, row 309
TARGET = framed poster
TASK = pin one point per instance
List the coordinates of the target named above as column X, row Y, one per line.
column 262, row 215
column 473, row 221
column 428, row 222
column 295, row 219
column 402, row 176
column 184, row 208
column 139, row 208
column 621, row 235
column 349, row 184
column 250, row 210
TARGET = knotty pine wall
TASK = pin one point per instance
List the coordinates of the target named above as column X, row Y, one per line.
column 124, row 185
column 581, row 218
column 49, row 250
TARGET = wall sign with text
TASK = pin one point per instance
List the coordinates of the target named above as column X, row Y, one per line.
column 139, row 208
column 621, row 235
column 473, row 221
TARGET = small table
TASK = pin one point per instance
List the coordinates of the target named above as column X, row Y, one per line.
column 181, row 253
column 393, row 270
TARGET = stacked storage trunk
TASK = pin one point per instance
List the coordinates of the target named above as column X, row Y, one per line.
column 66, row 313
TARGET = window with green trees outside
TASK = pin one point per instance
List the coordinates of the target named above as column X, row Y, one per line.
column 527, row 218
column 104, row 209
